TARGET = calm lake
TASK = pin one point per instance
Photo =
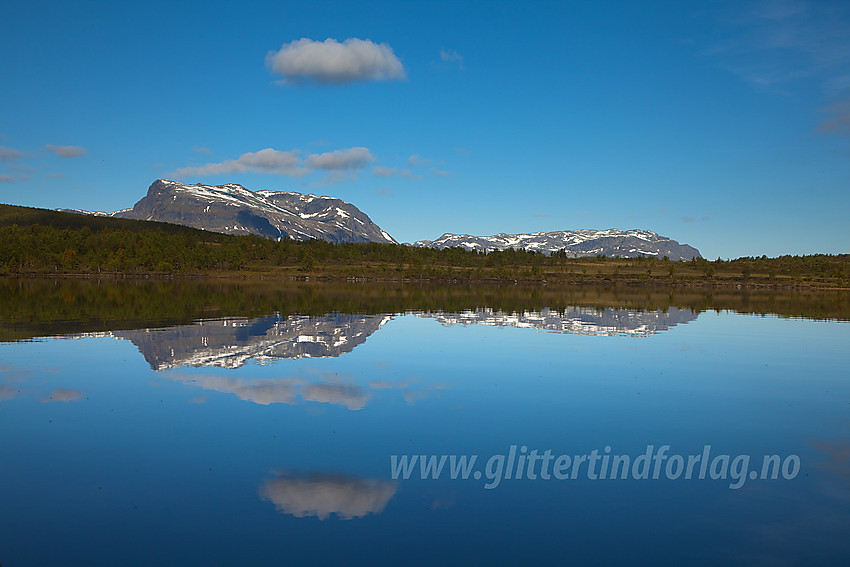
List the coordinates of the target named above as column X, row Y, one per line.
column 210, row 423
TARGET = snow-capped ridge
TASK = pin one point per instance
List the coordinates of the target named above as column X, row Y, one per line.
column 574, row 243
column 233, row 209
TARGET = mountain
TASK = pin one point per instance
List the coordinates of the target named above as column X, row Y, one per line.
column 576, row 243
column 232, row 209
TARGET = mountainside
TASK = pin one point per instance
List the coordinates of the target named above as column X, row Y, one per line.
column 576, row 243
column 232, row 209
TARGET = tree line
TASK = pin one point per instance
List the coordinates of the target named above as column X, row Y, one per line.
column 37, row 241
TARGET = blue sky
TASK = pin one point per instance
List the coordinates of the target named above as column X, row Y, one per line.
column 724, row 125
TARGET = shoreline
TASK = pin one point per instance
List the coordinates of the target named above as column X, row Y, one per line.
column 266, row 277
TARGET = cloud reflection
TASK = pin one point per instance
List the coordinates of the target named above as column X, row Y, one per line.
column 63, row 395
column 349, row 395
column 7, row 392
column 321, row 495
column 281, row 390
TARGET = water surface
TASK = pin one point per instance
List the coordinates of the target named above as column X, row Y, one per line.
column 199, row 423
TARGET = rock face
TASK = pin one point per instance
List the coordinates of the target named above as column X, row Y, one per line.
column 576, row 243
column 232, row 209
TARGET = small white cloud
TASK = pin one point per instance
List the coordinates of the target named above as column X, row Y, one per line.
column 418, row 161
column 441, row 173
column 202, row 150
column 451, row 57
column 333, row 177
column 392, row 172
column 332, row 62
column 66, row 151
column 9, row 154
column 352, row 158
column 268, row 161
column 380, row 171
column 540, row 215
column 6, row 179
column 840, row 121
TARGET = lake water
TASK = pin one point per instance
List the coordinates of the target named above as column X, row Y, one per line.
column 197, row 423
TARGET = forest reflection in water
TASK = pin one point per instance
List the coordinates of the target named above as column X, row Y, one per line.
column 49, row 307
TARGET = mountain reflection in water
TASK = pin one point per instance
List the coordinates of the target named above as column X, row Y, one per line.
column 230, row 343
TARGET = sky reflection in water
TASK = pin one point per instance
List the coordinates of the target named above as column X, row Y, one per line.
column 250, row 440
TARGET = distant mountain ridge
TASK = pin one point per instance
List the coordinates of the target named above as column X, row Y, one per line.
column 233, row 209
column 575, row 243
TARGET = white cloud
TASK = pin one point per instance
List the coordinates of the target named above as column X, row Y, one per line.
column 451, row 57
column 332, row 62
column 9, row 154
column 338, row 164
column 384, row 171
column 321, row 495
column 777, row 45
column 269, row 161
column 67, row 151
column 840, row 121
column 334, row 177
column 392, row 172
column 352, row 158
column 202, row 150
column 387, row 385
column 6, row 179
column 417, row 161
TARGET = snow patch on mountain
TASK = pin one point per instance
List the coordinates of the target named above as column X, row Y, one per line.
column 574, row 243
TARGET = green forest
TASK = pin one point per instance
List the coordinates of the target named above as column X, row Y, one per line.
column 39, row 241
